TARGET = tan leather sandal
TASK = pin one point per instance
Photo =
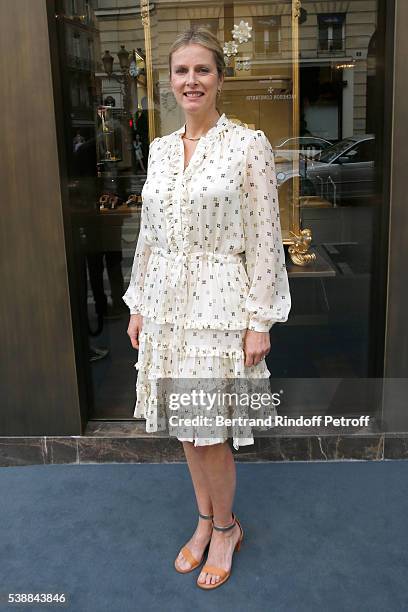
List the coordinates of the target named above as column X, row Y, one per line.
column 189, row 556
column 219, row 571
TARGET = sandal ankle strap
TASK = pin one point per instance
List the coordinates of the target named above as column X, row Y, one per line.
column 228, row 526
column 206, row 516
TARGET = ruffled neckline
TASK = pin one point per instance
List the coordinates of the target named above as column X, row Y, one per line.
column 178, row 222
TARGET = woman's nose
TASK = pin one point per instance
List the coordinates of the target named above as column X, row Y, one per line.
column 191, row 78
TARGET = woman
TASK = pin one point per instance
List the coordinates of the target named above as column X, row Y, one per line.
column 210, row 199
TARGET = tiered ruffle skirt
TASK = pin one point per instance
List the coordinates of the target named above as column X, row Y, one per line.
column 213, row 355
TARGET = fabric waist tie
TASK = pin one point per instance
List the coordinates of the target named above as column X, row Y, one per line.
column 180, row 260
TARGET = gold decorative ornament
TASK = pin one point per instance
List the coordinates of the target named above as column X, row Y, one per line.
column 298, row 251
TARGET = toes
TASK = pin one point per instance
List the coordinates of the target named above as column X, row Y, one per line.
column 205, row 578
column 182, row 562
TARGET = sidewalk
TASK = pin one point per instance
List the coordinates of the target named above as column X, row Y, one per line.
column 329, row 536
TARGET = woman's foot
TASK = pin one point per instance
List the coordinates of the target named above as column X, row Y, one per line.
column 220, row 553
column 197, row 543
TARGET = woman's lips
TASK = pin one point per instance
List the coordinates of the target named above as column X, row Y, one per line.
column 195, row 96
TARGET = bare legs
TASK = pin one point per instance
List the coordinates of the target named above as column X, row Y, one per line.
column 202, row 534
column 213, row 473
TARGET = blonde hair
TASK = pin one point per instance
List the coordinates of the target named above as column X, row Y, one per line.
column 200, row 36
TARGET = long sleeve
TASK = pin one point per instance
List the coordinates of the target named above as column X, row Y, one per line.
column 268, row 301
column 133, row 297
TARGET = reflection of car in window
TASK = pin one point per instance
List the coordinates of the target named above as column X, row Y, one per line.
column 342, row 173
column 290, row 148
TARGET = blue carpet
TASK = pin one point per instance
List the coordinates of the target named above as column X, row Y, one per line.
column 318, row 537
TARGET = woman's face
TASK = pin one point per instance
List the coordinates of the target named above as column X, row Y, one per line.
column 193, row 69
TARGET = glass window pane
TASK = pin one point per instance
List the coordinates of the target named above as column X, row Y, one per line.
column 314, row 107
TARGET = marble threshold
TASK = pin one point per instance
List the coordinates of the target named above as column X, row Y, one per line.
column 127, row 442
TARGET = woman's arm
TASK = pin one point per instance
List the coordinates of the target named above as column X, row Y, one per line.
column 268, row 301
column 134, row 294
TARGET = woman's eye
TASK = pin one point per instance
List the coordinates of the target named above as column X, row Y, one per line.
column 199, row 70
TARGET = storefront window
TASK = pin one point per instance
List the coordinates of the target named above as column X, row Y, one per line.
column 307, row 77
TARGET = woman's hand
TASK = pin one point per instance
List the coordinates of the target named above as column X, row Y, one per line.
column 134, row 329
column 256, row 346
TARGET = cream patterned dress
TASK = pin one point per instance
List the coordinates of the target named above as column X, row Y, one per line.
column 209, row 264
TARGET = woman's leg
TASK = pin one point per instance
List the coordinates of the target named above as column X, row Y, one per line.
column 202, row 534
column 218, row 466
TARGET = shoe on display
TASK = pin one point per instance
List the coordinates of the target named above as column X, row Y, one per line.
column 96, row 353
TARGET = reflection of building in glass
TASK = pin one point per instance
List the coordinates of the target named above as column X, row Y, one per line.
column 334, row 39
column 78, row 47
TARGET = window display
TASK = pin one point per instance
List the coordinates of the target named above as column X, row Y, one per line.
column 302, row 72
